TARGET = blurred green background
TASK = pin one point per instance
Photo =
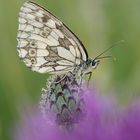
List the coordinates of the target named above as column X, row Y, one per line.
column 99, row 24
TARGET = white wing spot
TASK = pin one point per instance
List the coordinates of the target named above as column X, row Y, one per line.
column 77, row 61
column 41, row 45
column 22, row 43
column 41, row 12
column 22, row 26
column 29, row 5
column 62, row 52
column 77, row 52
column 29, row 28
column 54, row 35
column 36, row 24
column 65, row 62
column 45, row 40
column 36, row 31
column 26, row 9
column 50, row 23
column 59, row 33
column 72, row 50
column 38, row 14
column 35, row 69
column 21, row 14
column 22, row 53
column 22, row 20
column 72, row 42
column 42, row 52
column 45, row 69
column 40, row 61
column 30, row 16
column 23, row 35
column 53, row 41
column 60, row 67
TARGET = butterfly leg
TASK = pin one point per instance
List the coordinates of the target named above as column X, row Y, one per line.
column 90, row 74
column 61, row 79
column 81, row 79
column 69, row 75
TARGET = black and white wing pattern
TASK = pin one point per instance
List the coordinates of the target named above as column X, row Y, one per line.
column 45, row 44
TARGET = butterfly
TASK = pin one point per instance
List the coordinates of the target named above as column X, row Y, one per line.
column 47, row 45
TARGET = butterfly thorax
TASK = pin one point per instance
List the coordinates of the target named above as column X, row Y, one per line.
column 85, row 67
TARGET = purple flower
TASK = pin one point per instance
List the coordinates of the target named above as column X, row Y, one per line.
column 71, row 112
column 130, row 125
column 100, row 123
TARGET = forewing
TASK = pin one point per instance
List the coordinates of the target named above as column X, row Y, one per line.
column 45, row 44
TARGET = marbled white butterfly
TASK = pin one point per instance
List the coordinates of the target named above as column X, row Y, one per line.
column 46, row 45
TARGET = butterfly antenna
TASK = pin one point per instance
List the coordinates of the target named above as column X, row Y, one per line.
column 109, row 56
column 112, row 46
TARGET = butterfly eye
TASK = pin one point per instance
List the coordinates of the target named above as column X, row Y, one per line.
column 94, row 63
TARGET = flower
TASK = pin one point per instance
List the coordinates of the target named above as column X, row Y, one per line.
column 130, row 124
column 99, row 123
column 72, row 112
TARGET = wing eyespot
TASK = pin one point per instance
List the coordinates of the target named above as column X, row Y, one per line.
column 46, row 29
column 33, row 44
column 32, row 52
column 44, row 33
column 33, row 61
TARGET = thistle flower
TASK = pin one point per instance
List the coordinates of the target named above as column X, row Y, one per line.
column 62, row 100
column 99, row 123
column 72, row 112
column 130, row 124
column 102, row 122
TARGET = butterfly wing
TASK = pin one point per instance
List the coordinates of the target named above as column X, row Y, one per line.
column 45, row 44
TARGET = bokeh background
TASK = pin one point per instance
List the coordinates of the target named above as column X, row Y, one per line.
column 99, row 24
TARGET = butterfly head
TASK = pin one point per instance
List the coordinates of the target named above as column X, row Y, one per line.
column 90, row 64
column 95, row 63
